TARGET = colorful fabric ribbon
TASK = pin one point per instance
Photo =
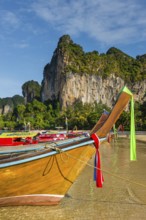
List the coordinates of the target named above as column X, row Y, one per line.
column 98, row 177
column 132, row 127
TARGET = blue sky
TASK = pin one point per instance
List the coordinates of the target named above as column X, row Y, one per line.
column 30, row 30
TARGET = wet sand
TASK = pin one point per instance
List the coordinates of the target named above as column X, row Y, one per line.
column 122, row 197
column 141, row 138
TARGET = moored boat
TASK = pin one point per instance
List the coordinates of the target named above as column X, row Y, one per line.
column 44, row 177
column 17, row 141
column 17, row 138
column 46, row 137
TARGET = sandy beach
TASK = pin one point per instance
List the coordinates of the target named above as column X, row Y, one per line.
column 123, row 196
column 140, row 136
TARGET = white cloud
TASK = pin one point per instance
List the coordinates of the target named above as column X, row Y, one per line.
column 21, row 45
column 8, row 18
column 107, row 21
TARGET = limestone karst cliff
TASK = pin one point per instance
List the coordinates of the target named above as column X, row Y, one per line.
column 7, row 104
column 31, row 90
column 75, row 75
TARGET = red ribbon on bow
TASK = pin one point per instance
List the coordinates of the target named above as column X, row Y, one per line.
column 98, row 172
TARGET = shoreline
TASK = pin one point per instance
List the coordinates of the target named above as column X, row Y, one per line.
column 139, row 137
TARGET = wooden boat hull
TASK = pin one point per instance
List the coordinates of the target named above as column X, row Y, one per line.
column 43, row 181
column 41, row 200
column 44, row 177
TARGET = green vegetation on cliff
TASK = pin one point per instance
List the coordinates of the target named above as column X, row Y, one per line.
column 114, row 61
column 48, row 115
column 11, row 101
column 31, row 90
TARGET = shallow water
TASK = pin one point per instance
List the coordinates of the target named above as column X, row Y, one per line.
column 122, row 197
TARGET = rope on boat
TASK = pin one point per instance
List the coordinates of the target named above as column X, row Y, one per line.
column 58, row 150
column 51, row 147
column 105, row 171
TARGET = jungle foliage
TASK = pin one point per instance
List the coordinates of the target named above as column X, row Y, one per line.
column 11, row 101
column 114, row 61
column 49, row 116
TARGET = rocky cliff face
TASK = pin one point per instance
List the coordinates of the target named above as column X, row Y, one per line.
column 73, row 75
column 31, row 90
column 88, row 88
column 5, row 109
column 7, row 104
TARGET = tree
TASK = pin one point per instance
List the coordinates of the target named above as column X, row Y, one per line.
column 20, row 111
column 2, row 123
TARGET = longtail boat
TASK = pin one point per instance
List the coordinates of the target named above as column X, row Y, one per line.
column 46, row 137
column 19, row 139
column 39, row 138
column 43, row 177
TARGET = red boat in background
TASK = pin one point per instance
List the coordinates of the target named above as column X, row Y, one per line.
column 16, row 141
column 50, row 137
column 38, row 138
column 46, row 137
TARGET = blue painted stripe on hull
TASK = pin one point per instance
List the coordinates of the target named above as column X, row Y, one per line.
column 27, row 149
column 47, row 154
